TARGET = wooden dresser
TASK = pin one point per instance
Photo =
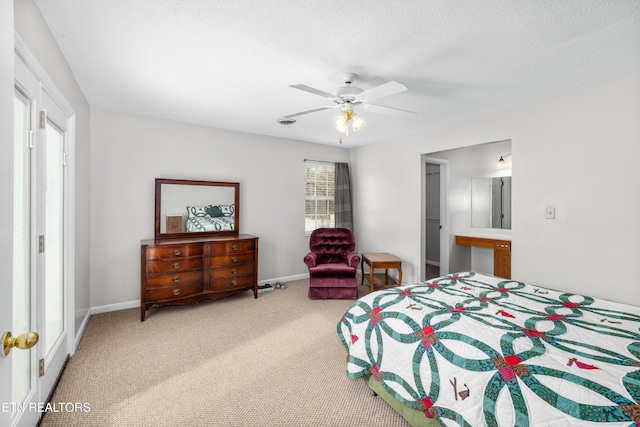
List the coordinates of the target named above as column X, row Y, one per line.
column 186, row 271
column 501, row 252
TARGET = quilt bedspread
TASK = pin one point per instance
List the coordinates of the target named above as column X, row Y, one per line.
column 207, row 223
column 473, row 350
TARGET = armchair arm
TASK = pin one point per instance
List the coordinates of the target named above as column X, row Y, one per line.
column 353, row 259
column 310, row 259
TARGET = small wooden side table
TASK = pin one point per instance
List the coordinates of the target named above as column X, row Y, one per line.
column 381, row 260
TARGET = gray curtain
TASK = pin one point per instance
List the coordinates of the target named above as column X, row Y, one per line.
column 342, row 198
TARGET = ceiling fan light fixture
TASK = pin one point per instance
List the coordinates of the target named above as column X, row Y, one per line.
column 342, row 122
column 348, row 97
column 356, row 122
column 348, row 116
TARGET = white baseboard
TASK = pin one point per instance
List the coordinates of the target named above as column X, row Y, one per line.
column 80, row 333
column 115, row 307
column 285, row 279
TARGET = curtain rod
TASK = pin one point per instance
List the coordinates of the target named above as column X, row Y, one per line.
column 320, row 161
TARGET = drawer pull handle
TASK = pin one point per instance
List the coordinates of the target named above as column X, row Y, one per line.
column 234, row 282
column 175, row 279
column 234, row 259
column 234, row 247
column 176, row 265
column 176, row 251
column 234, row 271
column 176, row 292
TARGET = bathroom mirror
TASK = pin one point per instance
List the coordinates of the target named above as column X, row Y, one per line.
column 186, row 208
column 491, row 202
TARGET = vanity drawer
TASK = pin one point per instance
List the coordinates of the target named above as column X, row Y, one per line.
column 174, row 251
column 178, row 278
column 230, row 284
column 183, row 264
column 502, row 245
column 172, row 292
column 232, row 272
column 502, row 259
column 232, row 247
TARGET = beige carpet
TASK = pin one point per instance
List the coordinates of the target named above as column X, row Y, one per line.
column 274, row 361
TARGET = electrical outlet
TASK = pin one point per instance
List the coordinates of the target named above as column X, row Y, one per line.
column 551, row 213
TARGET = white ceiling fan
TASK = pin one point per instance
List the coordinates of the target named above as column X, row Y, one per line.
column 350, row 97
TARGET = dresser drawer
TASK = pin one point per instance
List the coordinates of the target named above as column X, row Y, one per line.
column 169, row 266
column 174, row 251
column 231, row 272
column 230, row 284
column 172, row 292
column 231, row 260
column 186, row 269
column 177, row 278
column 232, row 247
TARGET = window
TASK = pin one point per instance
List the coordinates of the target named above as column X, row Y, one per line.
column 319, row 193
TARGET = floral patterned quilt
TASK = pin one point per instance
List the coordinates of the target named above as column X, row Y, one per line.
column 473, row 350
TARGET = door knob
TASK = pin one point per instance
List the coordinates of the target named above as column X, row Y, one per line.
column 23, row 341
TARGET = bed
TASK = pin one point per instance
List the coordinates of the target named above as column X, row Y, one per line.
column 468, row 349
column 210, row 218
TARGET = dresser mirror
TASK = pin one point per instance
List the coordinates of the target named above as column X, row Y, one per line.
column 186, row 208
column 491, row 202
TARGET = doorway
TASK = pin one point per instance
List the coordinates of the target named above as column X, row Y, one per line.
column 435, row 243
column 432, row 222
column 42, row 274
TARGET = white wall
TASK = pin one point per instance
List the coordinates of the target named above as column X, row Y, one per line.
column 128, row 152
column 576, row 152
column 34, row 32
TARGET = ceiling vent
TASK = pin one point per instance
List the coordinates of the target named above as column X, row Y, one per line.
column 286, row 121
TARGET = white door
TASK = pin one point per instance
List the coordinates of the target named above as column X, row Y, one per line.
column 51, row 262
column 40, row 302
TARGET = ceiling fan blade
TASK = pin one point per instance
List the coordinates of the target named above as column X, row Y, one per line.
column 385, row 89
column 394, row 112
column 308, row 111
column 314, row 91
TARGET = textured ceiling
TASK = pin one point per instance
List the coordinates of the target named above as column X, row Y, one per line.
column 229, row 64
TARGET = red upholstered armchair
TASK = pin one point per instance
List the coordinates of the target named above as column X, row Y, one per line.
column 332, row 264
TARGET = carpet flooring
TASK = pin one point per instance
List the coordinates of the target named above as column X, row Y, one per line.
column 239, row 361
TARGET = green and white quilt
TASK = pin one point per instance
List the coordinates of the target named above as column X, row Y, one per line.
column 207, row 223
column 473, row 350
column 210, row 218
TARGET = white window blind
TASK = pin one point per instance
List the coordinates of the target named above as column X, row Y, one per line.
column 21, row 235
column 319, row 195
